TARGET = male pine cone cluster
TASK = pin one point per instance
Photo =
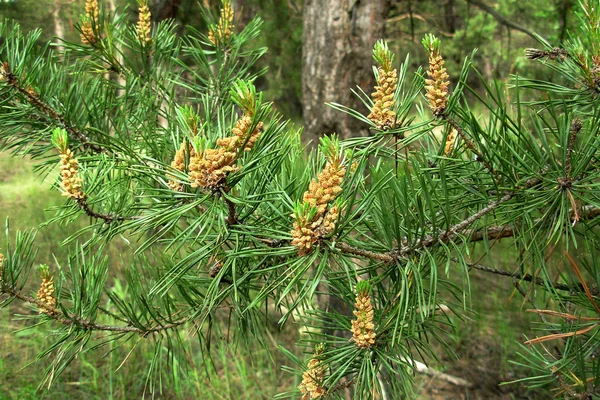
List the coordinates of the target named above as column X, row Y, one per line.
column 90, row 22
column 144, row 25
column 71, row 182
column 221, row 32
column 312, row 379
column 450, row 139
column 178, row 163
column 210, row 168
column 308, row 226
column 46, row 292
column 363, row 327
column 382, row 112
column 437, row 84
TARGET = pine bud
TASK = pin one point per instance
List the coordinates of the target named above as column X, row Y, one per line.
column 144, row 24
column 46, row 292
column 220, row 33
column 312, row 379
column 327, row 186
column 90, row 23
column 304, row 233
column 215, row 268
column 437, row 85
column 363, row 328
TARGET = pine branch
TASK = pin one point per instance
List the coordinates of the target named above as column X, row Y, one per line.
column 500, row 18
column 493, row 232
column 527, row 278
column 429, row 240
column 78, row 322
column 388, row 257
column 34, row 99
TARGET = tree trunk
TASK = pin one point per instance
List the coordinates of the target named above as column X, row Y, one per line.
column 451, row 16
column 59, row 28
column 338, row 41
column 165, row 9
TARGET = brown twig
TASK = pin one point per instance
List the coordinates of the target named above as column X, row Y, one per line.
column 428, row 241
column 341, row 386
column 82, row 202
column 576, row 126
column 490, row 233
column 232, row 218
column 346, row 248
column 231, row 213
column 524, row 277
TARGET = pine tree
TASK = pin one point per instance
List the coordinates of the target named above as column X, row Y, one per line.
column 165, row 140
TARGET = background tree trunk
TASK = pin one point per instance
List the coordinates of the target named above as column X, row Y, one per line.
column 59, row 28
column 338, row 41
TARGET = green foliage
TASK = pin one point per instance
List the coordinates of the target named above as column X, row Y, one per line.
column 413, row 218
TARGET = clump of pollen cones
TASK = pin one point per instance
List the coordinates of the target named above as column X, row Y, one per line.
column 69, row 167
column 450, row 140
column 46, row 293
column 382, row 112
column 90, row 23
column 312, row 379
column 144, row 24
column 437, row 83
column 221, row 32
column 209, row 168
column 190, row 122
column 363, row 327
column 316, row 216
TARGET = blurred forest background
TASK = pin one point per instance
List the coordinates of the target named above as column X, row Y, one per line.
column 298, row 81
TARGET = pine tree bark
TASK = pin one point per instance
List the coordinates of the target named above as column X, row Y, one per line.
column 59, row 28
column 338, row 41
